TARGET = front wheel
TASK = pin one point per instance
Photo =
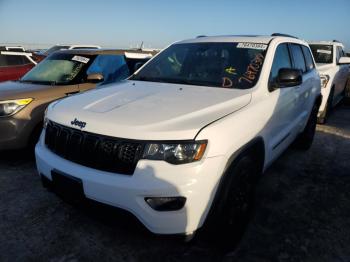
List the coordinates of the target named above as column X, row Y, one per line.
column 232, row 209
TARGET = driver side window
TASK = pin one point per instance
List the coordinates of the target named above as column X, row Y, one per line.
column 281, row 60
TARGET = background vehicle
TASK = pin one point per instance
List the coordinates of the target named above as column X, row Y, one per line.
column 14, row 48
column 64, row 73
column 333, row 65
column 14, row 64
column 41, row 55
column 182, row 143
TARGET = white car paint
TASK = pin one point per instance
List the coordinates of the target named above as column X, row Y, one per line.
column 227, row 118
column 338, row 75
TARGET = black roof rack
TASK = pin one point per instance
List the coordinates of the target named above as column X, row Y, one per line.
column 200, row 36
column 286, row 35
column 335, row 41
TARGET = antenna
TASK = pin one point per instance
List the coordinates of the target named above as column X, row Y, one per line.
column 141, row 46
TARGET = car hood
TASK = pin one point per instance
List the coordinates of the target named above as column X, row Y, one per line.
column 148, row 110
column 14, row 89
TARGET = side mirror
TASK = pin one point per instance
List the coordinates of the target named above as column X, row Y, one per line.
column 344, row 60
column 95, row 78
column 288, row 77
column 138, row 65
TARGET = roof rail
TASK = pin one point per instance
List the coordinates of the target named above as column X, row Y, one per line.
column 336, row 41
column 200, row 36
column 286, row 35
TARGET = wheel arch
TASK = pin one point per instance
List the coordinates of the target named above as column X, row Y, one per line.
column 255, row 147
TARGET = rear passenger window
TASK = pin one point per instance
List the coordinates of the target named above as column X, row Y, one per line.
column 298, row 57
column 15, row 60
column 281, row 60
column 308, row 58
column 3, row 61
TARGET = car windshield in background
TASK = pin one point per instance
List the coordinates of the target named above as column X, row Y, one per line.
column 323, row 54
column 226, row 65
column 54, row 49
column 58, row 69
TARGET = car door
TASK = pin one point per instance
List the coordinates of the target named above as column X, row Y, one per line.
column 344, row 72
column 303, row 91
column 282, row 123
column 310, row 82
column 340, row 76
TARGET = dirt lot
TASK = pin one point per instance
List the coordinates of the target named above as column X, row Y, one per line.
column 302, row 214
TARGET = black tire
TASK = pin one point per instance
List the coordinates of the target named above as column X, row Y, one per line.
column 305, row 139
column 325, row 114
column 232, row 209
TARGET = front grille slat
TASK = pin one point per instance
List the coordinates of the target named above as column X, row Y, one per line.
column 92, row 150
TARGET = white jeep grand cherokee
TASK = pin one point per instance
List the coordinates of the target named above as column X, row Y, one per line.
column 182, row 143
column 333, row 65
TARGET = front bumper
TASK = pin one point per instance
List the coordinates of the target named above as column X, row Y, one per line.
column 195, row 181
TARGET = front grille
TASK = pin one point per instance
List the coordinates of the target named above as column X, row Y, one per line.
column 92, row 150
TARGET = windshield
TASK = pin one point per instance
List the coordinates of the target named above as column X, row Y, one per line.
column 226, row 65
column 58, row 69
column 55, row 48
column 323, row 54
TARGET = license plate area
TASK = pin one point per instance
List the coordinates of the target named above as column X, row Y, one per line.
column 68, row 187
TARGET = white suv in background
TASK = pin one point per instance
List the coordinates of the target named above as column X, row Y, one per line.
column 333, row 66
column 182, row 143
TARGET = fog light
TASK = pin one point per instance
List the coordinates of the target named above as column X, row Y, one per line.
column 166, row 203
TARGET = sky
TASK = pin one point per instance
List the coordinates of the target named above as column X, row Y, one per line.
column 158, row 23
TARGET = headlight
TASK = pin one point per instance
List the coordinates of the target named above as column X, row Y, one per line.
column 11, row 107
column 324, row 80
column 175, row 153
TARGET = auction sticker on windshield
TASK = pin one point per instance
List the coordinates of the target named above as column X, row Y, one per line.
column 81, row 59
column 252, row 46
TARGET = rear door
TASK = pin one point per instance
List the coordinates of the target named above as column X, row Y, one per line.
column 343, row 72
column 303, row 92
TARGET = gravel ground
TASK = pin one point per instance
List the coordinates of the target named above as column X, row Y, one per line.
column 302, row 214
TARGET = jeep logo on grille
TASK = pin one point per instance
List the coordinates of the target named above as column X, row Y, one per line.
column 78, row 123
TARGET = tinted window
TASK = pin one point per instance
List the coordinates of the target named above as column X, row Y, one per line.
column 323, row 54
column 3, row 60
column 15, row 60
column 113, row 68
column 340, row 53
column 281, row 60
column 298, row 57
column 308, row 58
column 225, row 65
